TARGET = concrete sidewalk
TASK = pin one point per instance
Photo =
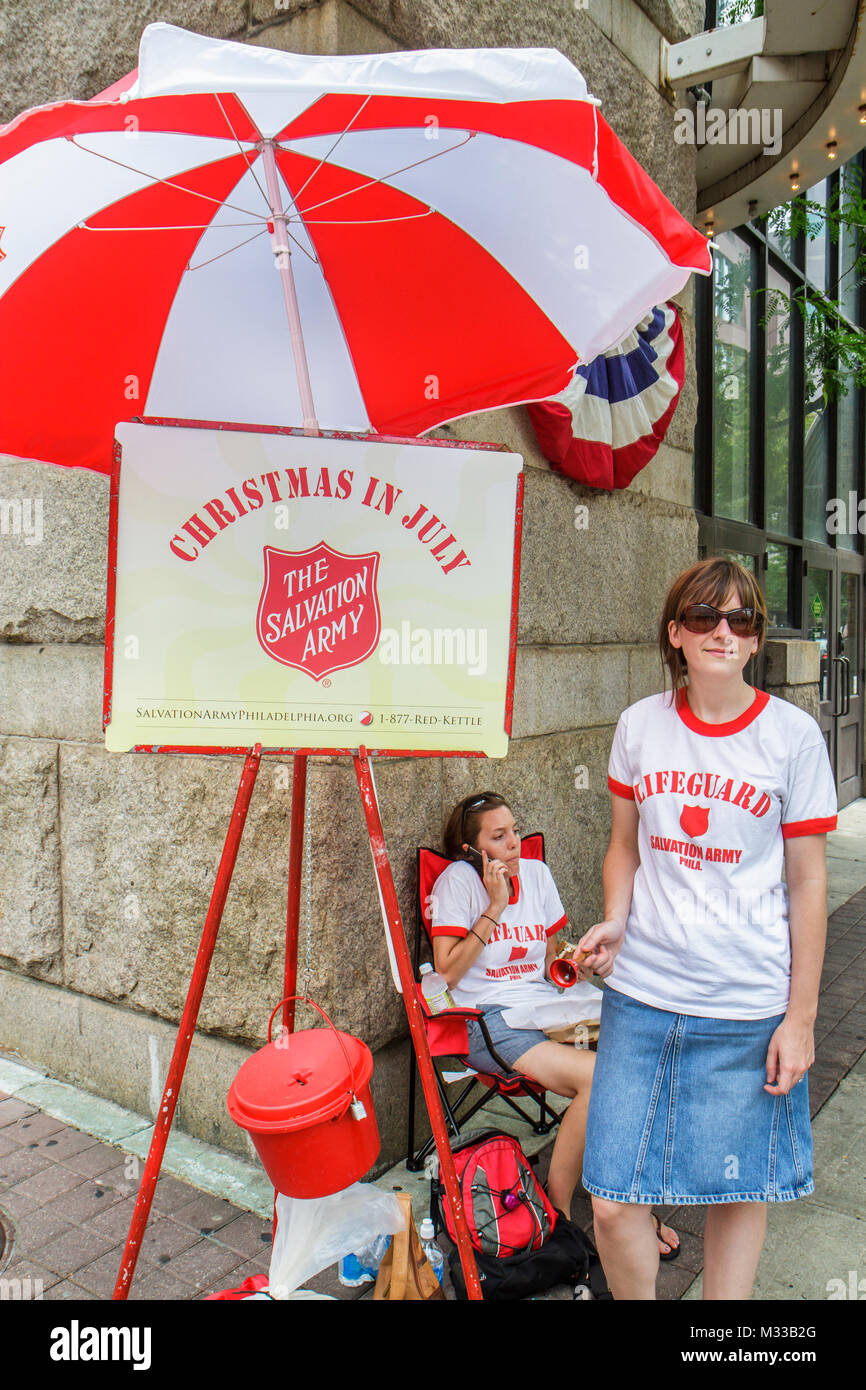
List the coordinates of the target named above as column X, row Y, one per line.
column 70, row 1164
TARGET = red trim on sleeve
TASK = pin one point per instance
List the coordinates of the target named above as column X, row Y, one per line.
column 558, row 926
column 819, row 826
column 620, row 789
column 449, row 931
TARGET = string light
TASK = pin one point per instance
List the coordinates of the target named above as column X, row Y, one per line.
column 831, row 149
column 862, row 111
column 795, row 182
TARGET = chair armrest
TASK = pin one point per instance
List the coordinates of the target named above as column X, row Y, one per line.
column 444, row 1013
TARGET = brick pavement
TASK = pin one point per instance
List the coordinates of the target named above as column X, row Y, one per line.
column 67, row 1198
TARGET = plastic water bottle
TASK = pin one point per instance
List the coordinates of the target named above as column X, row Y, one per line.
column 435, row 990
column 434, row 1255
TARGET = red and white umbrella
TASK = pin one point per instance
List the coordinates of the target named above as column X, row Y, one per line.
column 454, row 231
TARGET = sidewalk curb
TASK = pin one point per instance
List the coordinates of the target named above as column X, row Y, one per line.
column 202, row 1165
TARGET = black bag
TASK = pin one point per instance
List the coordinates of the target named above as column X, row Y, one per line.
column 522, row 1244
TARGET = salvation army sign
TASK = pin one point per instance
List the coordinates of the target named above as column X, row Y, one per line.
column 310, row 592
column 319, row 610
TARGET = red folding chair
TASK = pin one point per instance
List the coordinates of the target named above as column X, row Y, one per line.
column 447, row 1034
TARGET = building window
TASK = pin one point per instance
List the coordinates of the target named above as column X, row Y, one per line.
column 774, row 451
column 733, row 284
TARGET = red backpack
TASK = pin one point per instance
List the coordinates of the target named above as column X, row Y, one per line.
column 522, row 1244
column 506, row 1210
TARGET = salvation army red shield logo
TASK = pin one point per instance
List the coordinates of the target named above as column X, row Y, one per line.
column 695, row 820
column 319, row 608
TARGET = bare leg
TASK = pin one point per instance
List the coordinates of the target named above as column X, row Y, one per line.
column 733, row 1240
column 628, row 1248
column 567, row 1071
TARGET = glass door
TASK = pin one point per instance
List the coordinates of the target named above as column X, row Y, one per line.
column 833, row 617
column 848, row 661
column 818, row 620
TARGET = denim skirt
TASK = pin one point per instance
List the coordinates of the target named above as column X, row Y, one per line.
column 678, row 1114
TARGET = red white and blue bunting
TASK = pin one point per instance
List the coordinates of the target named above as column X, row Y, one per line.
column 610, row 420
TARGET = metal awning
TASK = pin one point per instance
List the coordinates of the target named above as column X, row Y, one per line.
column 790, row 92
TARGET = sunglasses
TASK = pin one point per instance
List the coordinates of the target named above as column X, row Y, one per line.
column 472, row 805
column 702, row 617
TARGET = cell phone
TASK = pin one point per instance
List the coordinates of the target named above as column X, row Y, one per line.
column 477, row 862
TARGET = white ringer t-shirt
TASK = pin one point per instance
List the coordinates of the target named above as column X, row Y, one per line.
column 511, row 966
column 707, row 933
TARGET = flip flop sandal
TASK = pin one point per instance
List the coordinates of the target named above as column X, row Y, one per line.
column 674, row 1250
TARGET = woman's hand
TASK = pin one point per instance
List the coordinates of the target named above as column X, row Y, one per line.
column 602, row 942
column 789, row 1056
column 497, row 881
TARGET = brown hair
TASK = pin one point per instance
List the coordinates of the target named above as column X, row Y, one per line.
column 460, row 831
column 709, row 581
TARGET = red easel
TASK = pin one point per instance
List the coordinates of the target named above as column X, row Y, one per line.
column 186, row 1029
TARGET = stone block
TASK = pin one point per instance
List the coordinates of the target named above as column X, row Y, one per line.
column 681, row 431
column 122, row 1055
column 792, row 662
column 559, row 688
column 635, row 35
column 328, row 26
column 54, row 590
column 645, row 674
column 52, row 691
column 556, row 784
column 676, row 19
column 510, row 428
column 669, row 477
column 142, row 837
column 74, row 50
column 805, row 697
column 604, row 582
column 30, row 895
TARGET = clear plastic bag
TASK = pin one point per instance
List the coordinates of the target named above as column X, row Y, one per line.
column 316, row 1232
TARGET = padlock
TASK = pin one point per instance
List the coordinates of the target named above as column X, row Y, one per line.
column 358, row 1110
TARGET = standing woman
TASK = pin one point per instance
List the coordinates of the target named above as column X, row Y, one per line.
column 712, row 969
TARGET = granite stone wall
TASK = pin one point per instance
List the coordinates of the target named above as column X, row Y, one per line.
column 108, row 861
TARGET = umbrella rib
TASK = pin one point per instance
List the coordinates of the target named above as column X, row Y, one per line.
column 240, row 147
column 384, row 177
column 169, row 183
column 174, row 227
column 327, row 156
column 364, row 221
column 246, row 242
column 301, row 247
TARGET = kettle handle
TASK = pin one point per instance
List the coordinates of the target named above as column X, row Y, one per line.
column 305, row 999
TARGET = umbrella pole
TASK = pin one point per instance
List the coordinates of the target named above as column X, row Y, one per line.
column 283, row 256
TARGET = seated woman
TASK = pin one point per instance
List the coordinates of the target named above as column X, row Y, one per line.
column 495, row 931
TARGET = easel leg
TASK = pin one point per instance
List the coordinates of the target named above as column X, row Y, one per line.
column 293, row 910
column 416, row 1028
column 187, row 1024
